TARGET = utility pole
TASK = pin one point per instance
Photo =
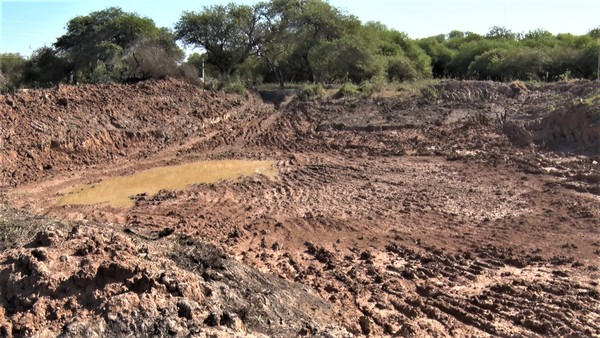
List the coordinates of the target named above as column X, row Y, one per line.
column 204, row 80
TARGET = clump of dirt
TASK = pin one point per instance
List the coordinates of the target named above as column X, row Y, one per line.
column 91, row 281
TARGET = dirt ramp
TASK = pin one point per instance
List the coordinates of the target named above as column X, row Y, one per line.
column 98, row 282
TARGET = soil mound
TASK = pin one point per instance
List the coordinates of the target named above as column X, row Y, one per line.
column 88, row 281
column 575, row 128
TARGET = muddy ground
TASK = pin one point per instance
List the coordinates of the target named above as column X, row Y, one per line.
column 461, row 209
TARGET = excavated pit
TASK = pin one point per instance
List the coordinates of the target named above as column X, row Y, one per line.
column 470, row 209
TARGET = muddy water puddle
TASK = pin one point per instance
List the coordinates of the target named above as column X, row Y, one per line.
column 117, row 191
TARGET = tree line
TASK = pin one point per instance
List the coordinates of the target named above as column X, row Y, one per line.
column 284, row 41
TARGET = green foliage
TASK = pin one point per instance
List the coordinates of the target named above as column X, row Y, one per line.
column 235, row 87
column 228, row 33
column 466, row 54
column 429, row 93
column 520, row 64
column 283, row 41
column 484, row 65
column 439, row 53
column 539, row 38
column 347, row 89
column 44, row 68
column 11, row 65
column 375, row 85
column 311, row 91
column 401, row 57
column 343, row 59
column 497, row 32
column 401, row 68
column 313, row 41
column 113, row 45
column 252, row 71
column 588, row 60
column 559, row 61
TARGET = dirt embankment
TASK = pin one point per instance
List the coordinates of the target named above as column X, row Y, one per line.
column 468, row 208
column 73, row 127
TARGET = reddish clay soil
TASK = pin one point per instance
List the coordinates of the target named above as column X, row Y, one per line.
column 472, row 209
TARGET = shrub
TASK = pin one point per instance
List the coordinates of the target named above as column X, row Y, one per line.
column 311, row 91
column 347, row 89
column 211, row 84
column 367, row 89
column 421, row 88
column 8, row 88
column 153, row 61
column 375, row 85
column 235, row 87
column 402, row 69
column 189, row 73
column 429, row 93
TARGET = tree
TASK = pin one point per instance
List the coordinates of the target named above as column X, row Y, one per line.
column 439, row 53
column 44, row 68
column 589, row 60
column 106, row 41
column 497, row 32
column 483, row 67
column 520, row 64
column 198, row 61
column 295, row 28
column 345, row 59
column 279, row 17
column 403, row 57
column 11, row 65
column 456, row 39
column 539, row 38
column 229, row 34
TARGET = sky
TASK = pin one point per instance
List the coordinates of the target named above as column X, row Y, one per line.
column 26, row 25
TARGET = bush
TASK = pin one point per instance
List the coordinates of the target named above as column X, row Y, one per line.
column 189, row 73
column 235, row 87
column 421, row 88
column 211, row 84
column 346, row 59
column 367, row 89
column 311, row 91
column 402, row 69
column 347, row 89
column 152, row 61
column 375, row 85
column 429, row 93
column 8, row 88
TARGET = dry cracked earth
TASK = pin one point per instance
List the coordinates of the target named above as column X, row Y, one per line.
column 469, row 209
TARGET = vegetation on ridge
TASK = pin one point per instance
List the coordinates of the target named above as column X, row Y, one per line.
column 283, row 41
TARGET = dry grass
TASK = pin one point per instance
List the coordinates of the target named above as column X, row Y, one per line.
column 17, row 228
